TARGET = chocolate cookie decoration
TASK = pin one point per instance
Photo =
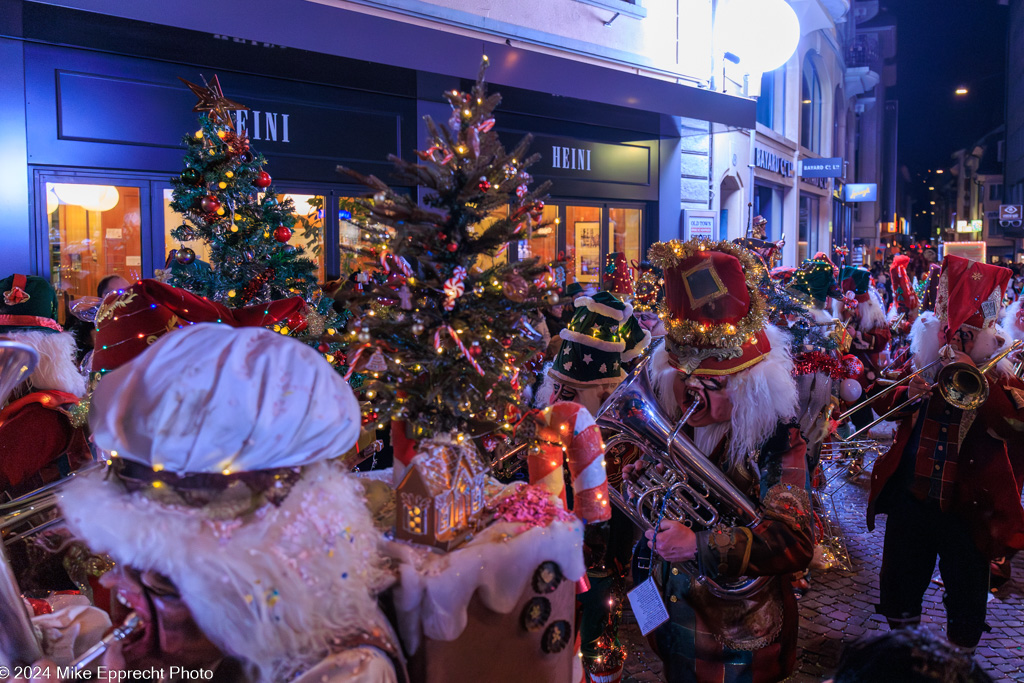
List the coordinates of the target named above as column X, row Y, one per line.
column 556, row 637
column 536, row 614
column 547, row 577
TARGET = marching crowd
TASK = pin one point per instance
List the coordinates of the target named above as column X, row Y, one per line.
column 222, row 482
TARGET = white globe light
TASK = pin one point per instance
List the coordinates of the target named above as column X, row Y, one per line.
column 762, row 33
column 89, row 197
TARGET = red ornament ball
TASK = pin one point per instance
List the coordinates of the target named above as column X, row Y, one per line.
column 452, row 247
column 262, row 180
column 484, row 184
column 854, row 368
column 209, row 203
column 323, row 348
column 283, row 233
column 475, row 349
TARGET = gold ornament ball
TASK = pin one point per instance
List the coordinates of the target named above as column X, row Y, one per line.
column 364, row 337
column 417, row 328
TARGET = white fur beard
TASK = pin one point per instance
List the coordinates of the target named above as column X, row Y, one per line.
column 56, row 370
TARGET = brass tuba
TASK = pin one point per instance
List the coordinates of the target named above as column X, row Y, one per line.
column 688, row 487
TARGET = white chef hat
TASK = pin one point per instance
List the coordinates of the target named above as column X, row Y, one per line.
column 216, row 399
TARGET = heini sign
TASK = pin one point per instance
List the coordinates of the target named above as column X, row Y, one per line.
column 570, row 158
column 266, row 125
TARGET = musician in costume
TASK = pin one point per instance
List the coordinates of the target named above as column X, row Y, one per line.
column 720, row 351
column 602, row 336
column 42, row 435
column 950, row 483
column 904, row 309
column 864, row 316
column 241, row 548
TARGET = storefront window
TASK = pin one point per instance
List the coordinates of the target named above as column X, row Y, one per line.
column 624, row 232
column 583, row 244
column 93, row 233
column 308, row 231
column 544, row 244
column 173, row 219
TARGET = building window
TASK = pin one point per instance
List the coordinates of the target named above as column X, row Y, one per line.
column 994, row 229
column 810, row 106
column 995, row 192
column 766, row 100
column 807, row 239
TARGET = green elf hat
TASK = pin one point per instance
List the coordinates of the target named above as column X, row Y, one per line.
column 856, row 280
column 573, row 289
column 29, row 303
column 815, row 279
column 592, row 343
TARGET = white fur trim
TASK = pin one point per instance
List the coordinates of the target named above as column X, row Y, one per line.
column 1010, row 320
column 275, row 588
column 599, row 344
column 601, row 309
column 638, row 349
column 56, row 370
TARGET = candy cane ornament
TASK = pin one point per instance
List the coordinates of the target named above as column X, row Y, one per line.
column 567, row 434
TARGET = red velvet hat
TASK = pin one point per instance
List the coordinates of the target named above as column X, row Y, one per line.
column 969, row 294
column 128, row 322
column 714, row 314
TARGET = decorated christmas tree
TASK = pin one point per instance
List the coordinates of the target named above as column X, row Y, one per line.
column 229, row 203
column 445, row 325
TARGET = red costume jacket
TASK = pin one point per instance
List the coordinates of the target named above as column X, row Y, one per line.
column 977, row 474
column 877, row 340
column 38, row 443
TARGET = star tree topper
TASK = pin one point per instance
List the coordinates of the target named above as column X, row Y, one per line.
column 213, row 103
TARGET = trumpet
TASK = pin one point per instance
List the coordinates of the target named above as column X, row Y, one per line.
column 960, row 384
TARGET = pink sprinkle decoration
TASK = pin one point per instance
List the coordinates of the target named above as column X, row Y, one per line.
column 531, row 506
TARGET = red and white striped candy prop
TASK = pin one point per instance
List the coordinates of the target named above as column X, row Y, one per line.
column 454, row 287
column 567, row 434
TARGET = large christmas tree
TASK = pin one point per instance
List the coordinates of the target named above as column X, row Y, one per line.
column 229, row 203
column 446, row 327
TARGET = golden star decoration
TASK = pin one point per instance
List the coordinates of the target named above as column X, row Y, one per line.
column 213, row 103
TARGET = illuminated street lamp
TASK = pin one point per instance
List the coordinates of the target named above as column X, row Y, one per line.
column 961, row 91
column 741, row 27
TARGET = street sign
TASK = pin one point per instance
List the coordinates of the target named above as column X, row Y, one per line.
column 700, row 225
column 1010, row 212
column 861, row 192
column 822, row 168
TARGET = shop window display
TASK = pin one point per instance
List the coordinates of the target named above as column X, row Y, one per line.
column 93, row 233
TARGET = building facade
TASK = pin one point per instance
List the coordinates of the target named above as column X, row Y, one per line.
column 804, row 112
column 616, row 94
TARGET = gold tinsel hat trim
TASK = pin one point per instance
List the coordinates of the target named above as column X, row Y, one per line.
column 667, row 255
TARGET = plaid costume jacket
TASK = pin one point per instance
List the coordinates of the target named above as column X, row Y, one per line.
column 970, row 463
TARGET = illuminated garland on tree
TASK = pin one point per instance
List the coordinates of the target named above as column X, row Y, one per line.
column 449, row 328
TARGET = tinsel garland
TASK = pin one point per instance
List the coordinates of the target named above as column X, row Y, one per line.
column 254, row 285
column 667, row 255
column 818, row 361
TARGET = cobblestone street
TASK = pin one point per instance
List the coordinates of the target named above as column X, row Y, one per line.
column 840, row 606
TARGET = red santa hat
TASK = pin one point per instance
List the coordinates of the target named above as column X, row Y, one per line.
column 903, row 291
column 969, row 294
column 128, row 322
column 714, row 313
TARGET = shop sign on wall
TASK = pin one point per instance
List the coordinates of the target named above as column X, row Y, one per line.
column 770, row 161
column 700, row 225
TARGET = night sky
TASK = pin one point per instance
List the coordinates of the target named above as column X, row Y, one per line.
column 941, row 45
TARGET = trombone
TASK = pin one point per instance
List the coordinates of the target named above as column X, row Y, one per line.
column 960, row 384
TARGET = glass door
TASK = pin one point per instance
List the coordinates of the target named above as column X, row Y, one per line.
column 93, row 227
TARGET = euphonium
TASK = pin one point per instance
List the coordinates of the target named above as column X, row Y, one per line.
column 688, row 486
